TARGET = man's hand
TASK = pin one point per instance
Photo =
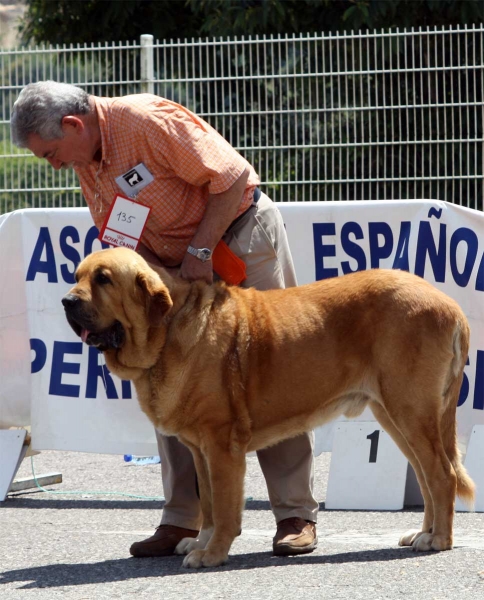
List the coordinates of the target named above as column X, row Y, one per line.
column 219, row 214
column 193, row 268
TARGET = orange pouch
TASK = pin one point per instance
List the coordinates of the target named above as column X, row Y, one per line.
column 227, row 265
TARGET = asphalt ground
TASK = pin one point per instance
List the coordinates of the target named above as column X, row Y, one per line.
column 75, row 546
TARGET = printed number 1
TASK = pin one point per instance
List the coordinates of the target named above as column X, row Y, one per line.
column 373, row 437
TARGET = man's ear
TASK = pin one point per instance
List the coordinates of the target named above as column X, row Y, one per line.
column 72, row 121
column 156, row 296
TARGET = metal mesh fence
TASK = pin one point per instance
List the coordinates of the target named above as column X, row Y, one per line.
column 360, row 116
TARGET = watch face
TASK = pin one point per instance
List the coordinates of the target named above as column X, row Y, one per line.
column 204, row 254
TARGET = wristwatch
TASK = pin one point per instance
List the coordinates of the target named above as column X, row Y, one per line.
column 202, row 254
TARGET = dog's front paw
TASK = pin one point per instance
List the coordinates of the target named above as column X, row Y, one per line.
column 409, row 537
column 429, row 541
column 186, row 545
column 204, row 558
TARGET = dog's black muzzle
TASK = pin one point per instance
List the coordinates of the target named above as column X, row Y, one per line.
column 109, row 338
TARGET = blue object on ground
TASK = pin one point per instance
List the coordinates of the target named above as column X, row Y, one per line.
column 141, row 460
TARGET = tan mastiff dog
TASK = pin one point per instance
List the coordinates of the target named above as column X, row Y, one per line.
column 230, row 370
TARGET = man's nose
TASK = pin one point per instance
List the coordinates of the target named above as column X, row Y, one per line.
column 70, row 300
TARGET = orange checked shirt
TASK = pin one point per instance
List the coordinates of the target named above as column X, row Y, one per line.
column 188, row 159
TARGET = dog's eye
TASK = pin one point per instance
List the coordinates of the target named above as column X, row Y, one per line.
column 102, row 279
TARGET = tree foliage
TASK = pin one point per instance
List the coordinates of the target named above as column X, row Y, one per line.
column 235, row 17
column 86, row 21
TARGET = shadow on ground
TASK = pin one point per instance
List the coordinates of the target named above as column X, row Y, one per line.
column 61, row 575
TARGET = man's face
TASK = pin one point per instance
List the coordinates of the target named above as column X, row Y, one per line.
column 72, row 150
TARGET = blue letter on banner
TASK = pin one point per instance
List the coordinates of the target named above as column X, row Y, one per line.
column 351, row 248
column 94, row 371
column 38, row 346
column 69, row 252
column 321, row 250
column 59, row 367
column 37, row 265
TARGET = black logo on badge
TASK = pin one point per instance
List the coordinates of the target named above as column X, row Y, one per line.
column 132, row 177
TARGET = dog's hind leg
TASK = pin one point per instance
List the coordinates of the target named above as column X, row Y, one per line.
column 226, row 469
column 410, row 536
column 419, row 424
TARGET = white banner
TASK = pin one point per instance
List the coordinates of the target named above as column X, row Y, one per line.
column 59, row 385
column 15, row 390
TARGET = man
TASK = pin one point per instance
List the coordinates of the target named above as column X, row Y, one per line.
column 200, row 191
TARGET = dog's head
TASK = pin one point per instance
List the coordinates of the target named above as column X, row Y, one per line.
column 117, row 298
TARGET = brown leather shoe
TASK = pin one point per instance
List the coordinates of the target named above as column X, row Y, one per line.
column 162, row 543
column 294, row 536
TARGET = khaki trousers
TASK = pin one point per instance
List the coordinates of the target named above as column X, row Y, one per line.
column 260, row 239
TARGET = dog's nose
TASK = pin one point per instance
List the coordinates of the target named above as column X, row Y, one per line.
column 70, row 300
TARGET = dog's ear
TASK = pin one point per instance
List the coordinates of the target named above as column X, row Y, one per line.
column 155, row 295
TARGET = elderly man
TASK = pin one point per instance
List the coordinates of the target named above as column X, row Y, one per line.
column 200, row 191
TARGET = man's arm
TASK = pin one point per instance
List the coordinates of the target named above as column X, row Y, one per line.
column 219, row 214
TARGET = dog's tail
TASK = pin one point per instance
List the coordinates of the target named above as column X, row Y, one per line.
column 465, row 485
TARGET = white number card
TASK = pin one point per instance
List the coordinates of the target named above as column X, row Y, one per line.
column 125, row 223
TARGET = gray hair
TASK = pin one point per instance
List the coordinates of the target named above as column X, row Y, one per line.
column 40, row 108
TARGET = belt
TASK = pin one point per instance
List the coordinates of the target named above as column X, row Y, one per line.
column 255, row 199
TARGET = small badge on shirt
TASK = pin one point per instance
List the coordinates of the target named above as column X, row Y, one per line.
column 134, row 180
column 124, row 223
